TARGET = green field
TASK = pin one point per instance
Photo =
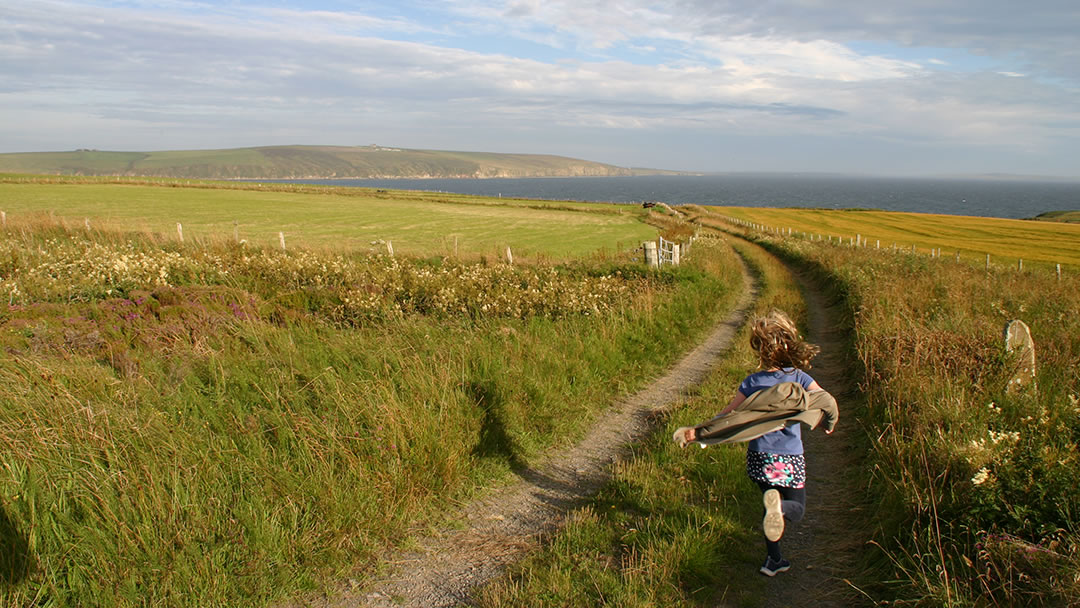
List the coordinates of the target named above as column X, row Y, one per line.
column 1004, row 240
column 1069, row 217
column 341, row 218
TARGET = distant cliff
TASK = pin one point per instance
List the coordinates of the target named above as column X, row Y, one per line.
column 302, row 162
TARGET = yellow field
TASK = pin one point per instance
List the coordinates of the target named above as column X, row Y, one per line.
column 1006, row 241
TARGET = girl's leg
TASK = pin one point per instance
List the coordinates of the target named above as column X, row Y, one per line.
column 793, row 506
column 793, row 501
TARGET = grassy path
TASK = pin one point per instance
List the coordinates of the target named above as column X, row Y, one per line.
column 501, row 528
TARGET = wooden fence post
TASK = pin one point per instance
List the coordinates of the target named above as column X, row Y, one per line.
column 86, row 222
column 1020, row 265
column 281, row 240
column 651, row 259
column 236, row 231
column 180, row 231
column 390, row 248
column 1059, row 271
column 509, row 256
column 3, row 218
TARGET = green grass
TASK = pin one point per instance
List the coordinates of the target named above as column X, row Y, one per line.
column 1006, row 241
column 230, row 438
column 1069, row 217
column 337, row 218
column 673, row 527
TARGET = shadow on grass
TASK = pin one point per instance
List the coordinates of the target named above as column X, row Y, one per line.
column 15, row 562
column 494, row 441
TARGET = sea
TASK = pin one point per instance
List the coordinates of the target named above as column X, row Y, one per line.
column 1004, row 198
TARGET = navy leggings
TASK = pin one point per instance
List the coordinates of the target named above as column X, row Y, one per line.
column 793, row 504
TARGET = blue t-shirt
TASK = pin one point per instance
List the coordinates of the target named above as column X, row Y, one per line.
column 787, row 440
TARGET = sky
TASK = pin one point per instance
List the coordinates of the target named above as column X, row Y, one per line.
column 919, row 87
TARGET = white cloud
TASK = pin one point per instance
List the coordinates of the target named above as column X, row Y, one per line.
column 712, row 70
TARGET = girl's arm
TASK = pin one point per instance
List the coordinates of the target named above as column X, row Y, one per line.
column 735, row 401
column 690, row 434
column 814, row 386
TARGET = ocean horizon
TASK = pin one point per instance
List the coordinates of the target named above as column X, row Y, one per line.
column 1014, row 199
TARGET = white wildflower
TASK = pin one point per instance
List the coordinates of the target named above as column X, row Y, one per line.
column 981, row 477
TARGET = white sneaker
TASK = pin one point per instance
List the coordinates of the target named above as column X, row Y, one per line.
column 774, row 516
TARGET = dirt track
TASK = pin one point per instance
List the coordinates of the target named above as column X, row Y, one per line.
column 501, row 528
column 822, row 546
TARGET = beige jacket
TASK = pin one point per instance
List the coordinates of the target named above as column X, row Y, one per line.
column 769, row 410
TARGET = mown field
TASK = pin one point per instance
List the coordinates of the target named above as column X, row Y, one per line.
column 1006, row 241
column 207, row 423
column 413, row 223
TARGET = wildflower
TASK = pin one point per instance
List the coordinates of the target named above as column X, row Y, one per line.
column 981, row 477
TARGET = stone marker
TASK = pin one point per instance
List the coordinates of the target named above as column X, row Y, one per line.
column 1018, row 340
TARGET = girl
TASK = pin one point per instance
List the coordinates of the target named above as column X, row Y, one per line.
column 775, row 460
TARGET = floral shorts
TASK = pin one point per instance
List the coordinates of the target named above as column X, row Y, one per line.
column 781, row 470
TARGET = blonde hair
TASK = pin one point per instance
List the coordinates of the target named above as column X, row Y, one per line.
column 778, row 344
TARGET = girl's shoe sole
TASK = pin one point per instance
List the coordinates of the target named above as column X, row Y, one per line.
column 774, row 516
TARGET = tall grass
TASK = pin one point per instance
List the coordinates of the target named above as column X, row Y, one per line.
column 213, row 425
column 979, row 505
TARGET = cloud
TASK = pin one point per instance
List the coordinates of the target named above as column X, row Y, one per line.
column 244, row 74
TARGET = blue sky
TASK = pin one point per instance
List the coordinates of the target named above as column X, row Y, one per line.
column 914, row 88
